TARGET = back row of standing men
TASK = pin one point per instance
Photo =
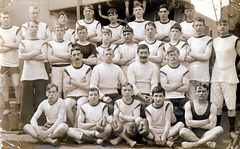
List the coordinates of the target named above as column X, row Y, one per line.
column 140, row 63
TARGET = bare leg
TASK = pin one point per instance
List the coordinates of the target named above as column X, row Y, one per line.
column 69, row 104
column 129, row 141
column 81, row 101
column 16, row 83
column 102, row 136
column 175, row 129
column 188, row 135
column 5, row 93
column 60, row 130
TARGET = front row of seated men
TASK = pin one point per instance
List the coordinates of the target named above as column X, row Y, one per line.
column 95, row 125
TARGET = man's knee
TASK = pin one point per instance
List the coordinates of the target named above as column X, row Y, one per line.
column 27, row 127
column 231, row 113
column 108, row 129
column 219, row 130
column 63, row 127
column 184, row 132
column 71, row 131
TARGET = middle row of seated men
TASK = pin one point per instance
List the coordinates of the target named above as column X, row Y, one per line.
column 160, row 127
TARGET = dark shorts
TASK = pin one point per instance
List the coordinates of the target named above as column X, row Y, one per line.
column 178, row 102
column 9, row 70
column 199, row 132
column 46, row 126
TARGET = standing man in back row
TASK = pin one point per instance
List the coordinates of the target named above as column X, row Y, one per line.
column 224, row 76
column 198, row 57
column 9, row 41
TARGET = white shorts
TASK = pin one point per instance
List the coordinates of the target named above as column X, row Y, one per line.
column 57, row 77
column 224, row 91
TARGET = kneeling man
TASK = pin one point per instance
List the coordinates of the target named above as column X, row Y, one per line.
column 201, row 118
column 54, row 109
column 92, row 121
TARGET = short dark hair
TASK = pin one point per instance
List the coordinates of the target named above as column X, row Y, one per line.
column 202, row 85
column 188, row 6
column 158, row 89
column 108, row 49
column 34, row 21
column 142, row 46
column 106, row 30
column 112, row 11
column 81, row 27
column 5, row 13
column 176, row 26
column 62, row 13
column 137, row 4
column 127, row 29
column 126, row 84
column 88, row 6
column 172, row 49
column 58, row 25
column 93, row 89
column 150, row 24
column 200, row 19
column 76, row 47
column 164, row 6
column 222, row 20
column 51, row 85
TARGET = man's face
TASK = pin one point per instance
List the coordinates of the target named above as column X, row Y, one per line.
column 88, row 13
column 108, row 56
column 82, row 34
column 127, row 92
column 143, row 55
column 52, row 95
column 59, row 32
column 199, row 27
column 138, row 12
column 223, row 28
column 106, row 37
column 5, row 20
column 175, row 34
column 63, row 19
column 158, row 98
column 150, row 31
column 112, row 17
column 76, row 57
column 33, row 14
column 127, row 37
column 32, row 28
column 163, row 13
column 189, row 13
column 93, row 97
column 173, row 57
column 202, row 93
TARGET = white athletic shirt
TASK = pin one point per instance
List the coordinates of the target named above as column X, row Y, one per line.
column 116, row 31
column 224, row 69
column 107, row 78
column 67, row 36
column 41, row 34
column 77, row 74
column 174, row 75
column 33, row 69
column 187, row 28
column 51, row 111
column 127, row 109
column 164, row 28
column 143, row 77
column 158, row 116
column 92, row 27
column 59, row 47
column 199, row 70
column 100, row 50
column 138, row 28
column 10, row 58
column 93, row 114
column 125, row 51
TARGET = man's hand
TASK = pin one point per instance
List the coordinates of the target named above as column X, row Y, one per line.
column 163, row 139
column 42, row 135
column 107, row 99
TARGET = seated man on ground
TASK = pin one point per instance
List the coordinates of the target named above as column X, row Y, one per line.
column 92, row 121
column 127, row 111
column 159, row 115
column 201, row 118
column 54, row 109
